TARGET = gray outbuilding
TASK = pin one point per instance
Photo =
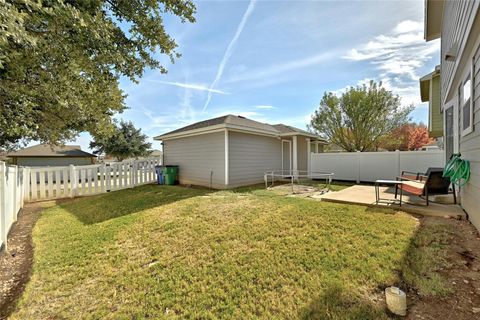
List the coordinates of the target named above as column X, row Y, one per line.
column 232, row 151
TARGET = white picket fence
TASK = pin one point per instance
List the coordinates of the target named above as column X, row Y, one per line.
column 371, row 166
column 27, row 184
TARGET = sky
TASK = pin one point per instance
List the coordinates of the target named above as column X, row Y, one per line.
column 272, row 61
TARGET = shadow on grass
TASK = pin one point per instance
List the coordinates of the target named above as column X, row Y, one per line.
column 95, row 209
column 420, row 272
column 426, row 257
column 337, row 303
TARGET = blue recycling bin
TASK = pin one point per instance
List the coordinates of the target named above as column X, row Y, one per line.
column 159, row 171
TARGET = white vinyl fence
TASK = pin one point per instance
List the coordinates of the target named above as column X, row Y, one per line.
column 27, row 184
column 11, row 197
column 371, row 166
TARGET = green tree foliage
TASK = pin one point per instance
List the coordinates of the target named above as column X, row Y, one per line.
column 61, row 61
column 359, row 118
column 126, row 142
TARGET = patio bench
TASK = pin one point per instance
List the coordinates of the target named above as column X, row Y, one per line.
column 425, row 184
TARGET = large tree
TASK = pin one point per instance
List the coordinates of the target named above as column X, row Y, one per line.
column 125, row 142
column 61, row 61
column 411, row 136
column 360, row 117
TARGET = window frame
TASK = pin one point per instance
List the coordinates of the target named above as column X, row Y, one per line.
column 470, row 76
column 453, row 105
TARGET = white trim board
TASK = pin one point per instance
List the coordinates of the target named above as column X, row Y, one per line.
column 227, row 162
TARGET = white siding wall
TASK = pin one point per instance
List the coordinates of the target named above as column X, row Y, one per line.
column 250, row 156
column 461, row 31
column 52, row 161
column 198, row 156
column 458, row 16
column 470, row 150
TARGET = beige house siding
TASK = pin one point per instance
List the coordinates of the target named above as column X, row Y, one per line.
column 458, row 16
column 52, row 161
column 470, row 148
column 250, row 156
column 197, row 157
column 435, row 124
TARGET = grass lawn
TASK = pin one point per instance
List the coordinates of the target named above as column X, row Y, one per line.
column 173, row 252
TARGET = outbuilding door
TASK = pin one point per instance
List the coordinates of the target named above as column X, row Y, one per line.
column 286, row 156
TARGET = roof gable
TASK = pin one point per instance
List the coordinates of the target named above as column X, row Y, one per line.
column 238, row 122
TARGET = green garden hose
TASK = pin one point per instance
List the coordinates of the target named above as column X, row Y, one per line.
column 458, row 170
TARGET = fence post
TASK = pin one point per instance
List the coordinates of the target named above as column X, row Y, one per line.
column 15, row 195
column 73, row 181
column 26, row 184
column 103, row 180
column 21, row 182
column 397, row 159
column 131, row 167
column 3, row 204
column 107, row 178
column 135, row 174
column 358, row 166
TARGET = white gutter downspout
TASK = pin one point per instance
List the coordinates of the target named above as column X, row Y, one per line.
column 294, row 145
column 226, row 159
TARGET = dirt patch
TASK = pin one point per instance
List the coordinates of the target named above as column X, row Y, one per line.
column 300, row 191
column 16, row 262
column 463, row 275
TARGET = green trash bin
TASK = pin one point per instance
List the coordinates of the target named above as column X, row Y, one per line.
column 170, row 174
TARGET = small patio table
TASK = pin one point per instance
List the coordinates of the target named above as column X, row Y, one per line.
column 394, row 183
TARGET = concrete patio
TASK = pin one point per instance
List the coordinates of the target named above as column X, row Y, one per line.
column 365, row 195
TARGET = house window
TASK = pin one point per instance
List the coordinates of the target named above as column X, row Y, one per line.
column 449, row 135
column 466, row 105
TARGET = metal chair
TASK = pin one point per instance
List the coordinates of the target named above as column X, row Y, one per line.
column 425, row 184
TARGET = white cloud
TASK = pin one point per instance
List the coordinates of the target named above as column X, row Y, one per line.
column 401, row 52
column 229, row 51
column 398, row 56
column 409, row 92
column 408, row 26
column 193, row 86
column 265, row 107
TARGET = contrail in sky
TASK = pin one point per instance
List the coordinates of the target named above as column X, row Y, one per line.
column 229, row 50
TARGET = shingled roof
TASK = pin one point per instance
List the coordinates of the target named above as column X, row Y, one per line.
column 45, row 150
column 242, row 122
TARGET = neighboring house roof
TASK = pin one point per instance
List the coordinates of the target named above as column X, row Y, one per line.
column 425, row 84
column 284, row 129
column 239, row 123
column 155, row 153
column 45, row 150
